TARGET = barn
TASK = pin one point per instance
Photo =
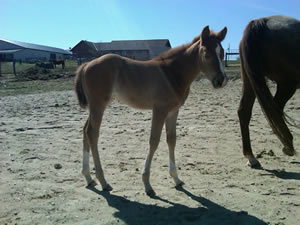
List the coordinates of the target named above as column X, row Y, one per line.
column 26, row 52
column 135, row 49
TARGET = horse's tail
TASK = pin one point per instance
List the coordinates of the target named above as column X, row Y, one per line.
column 79, row 87
column 252, row 63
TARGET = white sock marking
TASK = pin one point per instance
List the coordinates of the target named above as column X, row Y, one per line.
column 85, row 161
column 172, row 167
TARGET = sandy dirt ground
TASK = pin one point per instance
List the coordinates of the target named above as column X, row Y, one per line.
column 41, row 154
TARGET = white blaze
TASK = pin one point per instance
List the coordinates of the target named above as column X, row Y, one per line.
column 218, row 51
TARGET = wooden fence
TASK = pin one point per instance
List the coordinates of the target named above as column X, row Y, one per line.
column 229, row 53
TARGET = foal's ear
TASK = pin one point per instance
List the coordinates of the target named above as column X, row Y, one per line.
column 205, row 33
column 221, row 35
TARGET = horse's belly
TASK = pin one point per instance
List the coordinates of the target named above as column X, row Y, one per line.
column 139, row 101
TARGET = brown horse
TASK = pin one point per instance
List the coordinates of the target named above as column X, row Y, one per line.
column 160, row 84
column 269, row 48
column 58, row 62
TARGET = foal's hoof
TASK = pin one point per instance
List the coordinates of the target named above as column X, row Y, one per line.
column 92, row 183
column 288, row 151
column 151, row 193
column 179, row 185
column 107, row 188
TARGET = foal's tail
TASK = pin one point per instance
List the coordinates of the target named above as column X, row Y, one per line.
column 252, row 63
column 79, row 88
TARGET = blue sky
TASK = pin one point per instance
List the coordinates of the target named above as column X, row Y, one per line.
column 63, row 23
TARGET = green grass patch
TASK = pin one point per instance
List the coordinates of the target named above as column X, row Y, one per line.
column 57, row 79
column 36, row 86
column 7, row 67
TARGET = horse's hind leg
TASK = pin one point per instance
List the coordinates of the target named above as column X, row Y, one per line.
column 92, row 133
column 283, row 94
column 85, row 162
column 171, row 140
column 245, row 113
column 158, row 119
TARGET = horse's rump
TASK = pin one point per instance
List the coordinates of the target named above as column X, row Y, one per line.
column 79, row 87
column 254, row 62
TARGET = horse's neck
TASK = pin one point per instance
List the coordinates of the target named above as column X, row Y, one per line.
column 191, row 66
column 185, row 64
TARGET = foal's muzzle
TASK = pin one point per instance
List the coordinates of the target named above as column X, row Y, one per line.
column 220, row 80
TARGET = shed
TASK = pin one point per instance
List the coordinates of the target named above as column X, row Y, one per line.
column 135, row 49
column 27, row 52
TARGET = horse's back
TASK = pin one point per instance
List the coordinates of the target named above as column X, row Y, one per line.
column 284, row 31
column 272, row 45
column 283, row 23
column 275, row 28
column 283, row 45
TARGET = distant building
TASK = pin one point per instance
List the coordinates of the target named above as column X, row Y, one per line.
column 135, row 49
column 26, row 52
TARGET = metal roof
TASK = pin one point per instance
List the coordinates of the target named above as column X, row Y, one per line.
column 131, row 44
column 36, row 47
column 10, row 51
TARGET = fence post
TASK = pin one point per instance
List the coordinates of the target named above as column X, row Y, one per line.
column 14, row 67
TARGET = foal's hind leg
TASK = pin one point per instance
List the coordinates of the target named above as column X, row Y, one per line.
column 92, row 132
column 158, row 119
column 283, row 94
column 245, row 113
column 171, row 140
column 85, row 162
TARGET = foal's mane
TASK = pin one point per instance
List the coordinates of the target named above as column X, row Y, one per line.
column 177, row 51
column 174, row 52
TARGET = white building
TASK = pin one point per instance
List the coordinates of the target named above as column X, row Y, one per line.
column 26, row 52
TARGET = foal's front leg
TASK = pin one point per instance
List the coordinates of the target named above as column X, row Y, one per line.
column 158, row 119
column 171, row 140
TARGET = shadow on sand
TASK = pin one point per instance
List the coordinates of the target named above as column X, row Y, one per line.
column 208, row 212
column 284, row 174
